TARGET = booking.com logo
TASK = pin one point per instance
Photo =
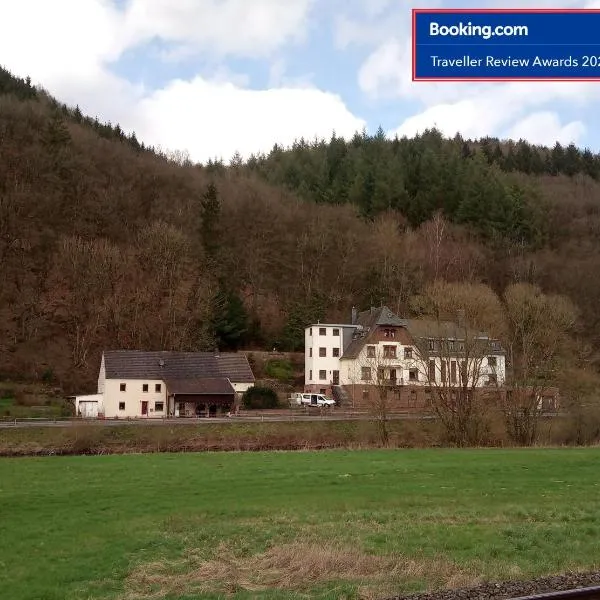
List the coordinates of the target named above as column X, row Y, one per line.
column 483, row 31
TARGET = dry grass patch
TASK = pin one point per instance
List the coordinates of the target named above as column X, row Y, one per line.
column 292, row 567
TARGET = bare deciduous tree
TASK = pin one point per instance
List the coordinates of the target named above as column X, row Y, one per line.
column 537, row 343
column 457, row 358
column 373, row 368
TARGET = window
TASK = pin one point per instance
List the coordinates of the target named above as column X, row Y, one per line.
column 366, row 373
column 492, row 362
column 336, row 332
column 451, row 345
column 365, row 394
column 389, row 351
column 322, row 331
column 431, row 345
column 428, row 398
column 336, row 352
column 121, row 405
column 453, row 371
column 322, row 375
column 310, row 352
column 492, row 379
column 159, row 406
column 389, row 333
column 310, row 375
column 310, row 331
column 322, row 352
column 444, row 372
column 432, row 370
column 408, row 353
column 157, row 387
column 413, row 375
column 370, row 351
column 380, row 373
column 145, row 387
column 461, row 346
column 123, row 387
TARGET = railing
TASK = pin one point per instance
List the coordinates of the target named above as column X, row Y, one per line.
column 586, row 593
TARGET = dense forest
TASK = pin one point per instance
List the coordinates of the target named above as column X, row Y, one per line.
column 108, row 243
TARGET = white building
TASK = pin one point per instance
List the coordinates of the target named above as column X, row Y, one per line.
column 138, row 384
column 324, row 347
column 379, row 348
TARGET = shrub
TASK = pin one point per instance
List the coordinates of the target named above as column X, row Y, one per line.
column 280, row 369
column 48, row 375
column 260, row 397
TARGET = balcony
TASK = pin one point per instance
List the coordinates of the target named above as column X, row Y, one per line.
column 392, row 381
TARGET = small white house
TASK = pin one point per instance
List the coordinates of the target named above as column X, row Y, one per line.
column 139, row 384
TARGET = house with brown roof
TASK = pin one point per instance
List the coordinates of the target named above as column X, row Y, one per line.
column 407, row 356
column 140, row 384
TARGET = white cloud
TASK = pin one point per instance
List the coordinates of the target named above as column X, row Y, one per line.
column 225, row 118
column 222, row 27
column 545, row 128
column 210, row 116
column 528, row 110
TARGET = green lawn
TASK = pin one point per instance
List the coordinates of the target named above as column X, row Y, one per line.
column 336, row 524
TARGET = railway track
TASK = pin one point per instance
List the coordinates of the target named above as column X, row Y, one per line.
column 569, row 586
column 584, row 593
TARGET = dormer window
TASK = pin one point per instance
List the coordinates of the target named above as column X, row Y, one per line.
column 389, row 333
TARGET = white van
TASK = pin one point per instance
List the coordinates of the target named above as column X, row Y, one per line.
column 303, row 399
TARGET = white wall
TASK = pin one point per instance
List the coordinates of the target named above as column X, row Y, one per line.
column 82, row 401
column 351, row 370
column 316, row 363
column 133, row 397
column 240, row 388
column 101, row 376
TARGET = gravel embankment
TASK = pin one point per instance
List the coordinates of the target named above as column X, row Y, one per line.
column 511, row 589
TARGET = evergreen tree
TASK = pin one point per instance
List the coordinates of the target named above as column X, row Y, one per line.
column 557, row 159
column 56, row 136
column 230, row 319
column 210, row 212
column 571, row 161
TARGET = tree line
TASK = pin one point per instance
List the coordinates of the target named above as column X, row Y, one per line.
column 107, row 245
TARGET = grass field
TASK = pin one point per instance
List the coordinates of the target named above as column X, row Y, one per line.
column 332, row 524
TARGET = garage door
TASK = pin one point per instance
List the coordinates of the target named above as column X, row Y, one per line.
column 88, row 408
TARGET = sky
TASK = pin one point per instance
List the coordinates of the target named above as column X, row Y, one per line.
column 216, row 77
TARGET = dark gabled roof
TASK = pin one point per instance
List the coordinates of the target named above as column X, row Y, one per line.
column 368, row 320
column 207, row 385
column 417, row 328
column 139, row 364
column 427, row 329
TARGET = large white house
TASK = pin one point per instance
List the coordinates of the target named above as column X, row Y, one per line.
column 410, row 356
column 139, row 384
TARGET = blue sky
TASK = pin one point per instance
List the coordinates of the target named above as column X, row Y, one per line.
column 212, row 77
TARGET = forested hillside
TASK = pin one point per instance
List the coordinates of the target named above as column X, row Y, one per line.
column 105, row 243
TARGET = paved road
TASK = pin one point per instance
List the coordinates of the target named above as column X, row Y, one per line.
column 22, row 423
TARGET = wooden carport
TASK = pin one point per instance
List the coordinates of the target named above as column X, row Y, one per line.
column 201, row 397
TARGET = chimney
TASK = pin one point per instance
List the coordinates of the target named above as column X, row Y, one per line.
column 354, row 315
column 460, row 317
